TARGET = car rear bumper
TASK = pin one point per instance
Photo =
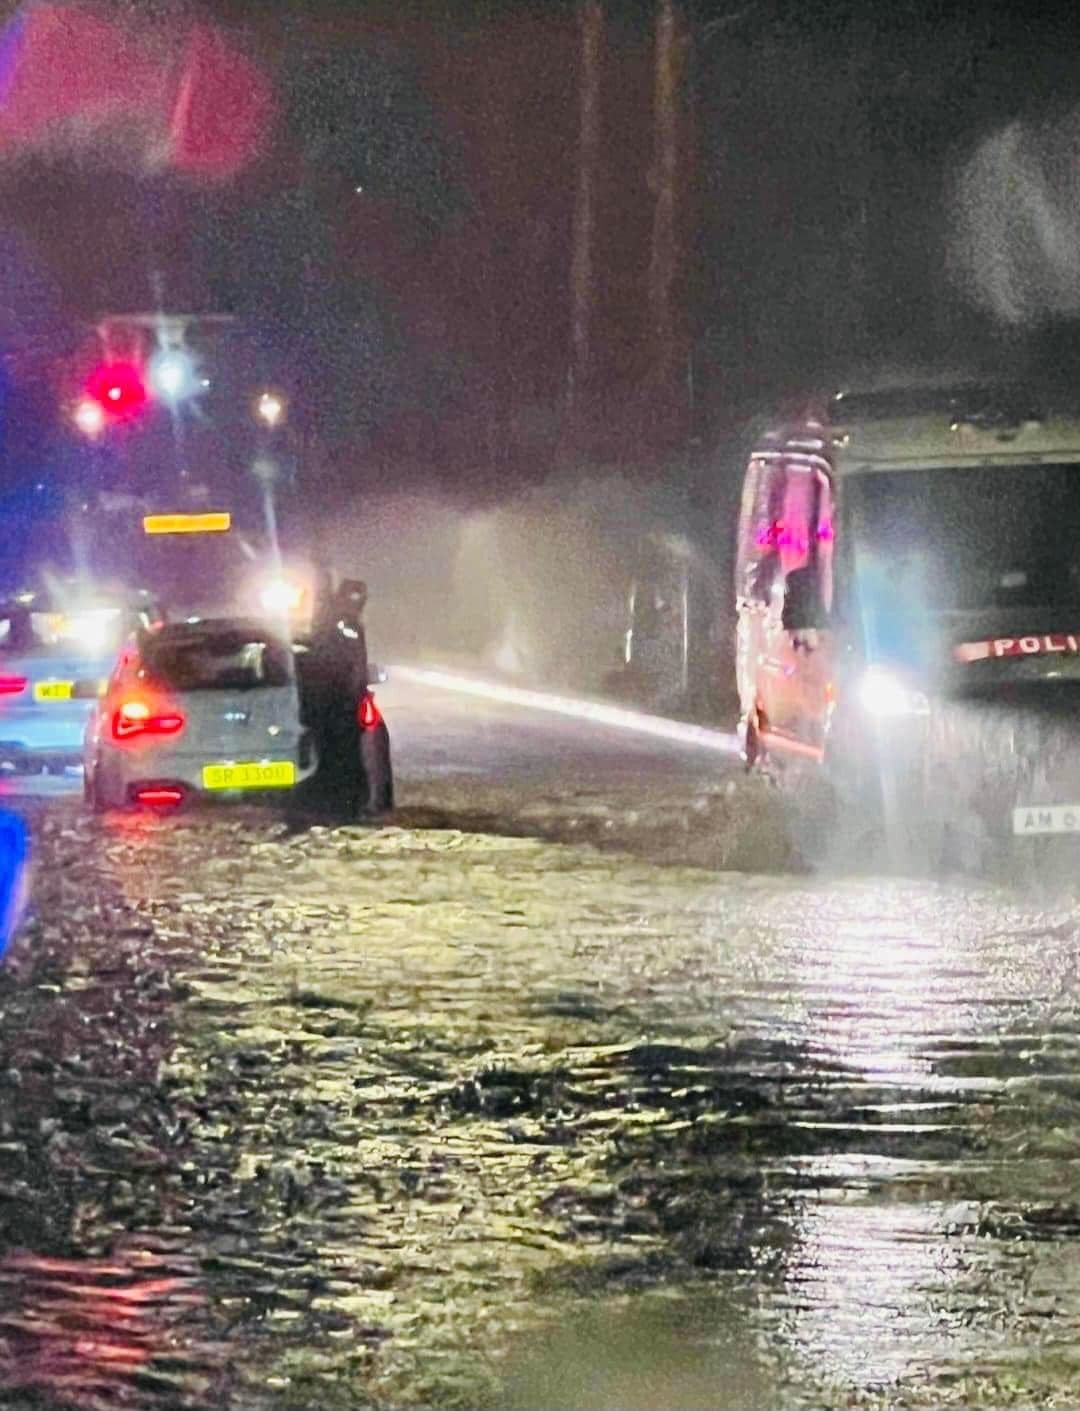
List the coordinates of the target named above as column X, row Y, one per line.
column 125, row 776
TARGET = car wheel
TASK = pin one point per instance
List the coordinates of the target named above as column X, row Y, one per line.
column 92, row 791
column 89, row 790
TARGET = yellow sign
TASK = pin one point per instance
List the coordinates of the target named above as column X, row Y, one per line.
column 215, row 523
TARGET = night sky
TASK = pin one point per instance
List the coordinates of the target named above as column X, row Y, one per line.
column 401, row 249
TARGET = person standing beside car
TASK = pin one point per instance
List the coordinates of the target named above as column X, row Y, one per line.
column 337, row 672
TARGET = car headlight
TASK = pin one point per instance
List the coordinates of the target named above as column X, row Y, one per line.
column 282, row 597
column 882, row 692
column 93, row 629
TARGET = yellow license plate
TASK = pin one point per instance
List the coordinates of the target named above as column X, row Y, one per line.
column 279, row 775
column 53, row 690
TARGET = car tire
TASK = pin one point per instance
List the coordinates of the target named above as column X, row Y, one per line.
column 377, row 782
column 354, row 779
column 92, row 791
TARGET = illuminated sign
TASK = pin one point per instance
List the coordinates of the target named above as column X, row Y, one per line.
column 217, row 523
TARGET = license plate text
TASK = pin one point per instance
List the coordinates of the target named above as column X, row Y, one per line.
column 53, row 690
column 278, row 775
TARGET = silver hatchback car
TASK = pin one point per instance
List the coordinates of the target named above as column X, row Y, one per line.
column 202, row 708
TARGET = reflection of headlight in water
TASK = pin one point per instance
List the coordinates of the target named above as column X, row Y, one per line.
column 882, row 692
column 875, row 1280
column 281, row 597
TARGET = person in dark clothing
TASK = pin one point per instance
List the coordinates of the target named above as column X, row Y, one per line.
column 336, row 672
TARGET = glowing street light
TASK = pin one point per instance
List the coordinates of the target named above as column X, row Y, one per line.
column 172, row 375
column 89, row 417
column 271, row 409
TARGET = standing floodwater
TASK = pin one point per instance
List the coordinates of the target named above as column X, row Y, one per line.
column 296, row 1119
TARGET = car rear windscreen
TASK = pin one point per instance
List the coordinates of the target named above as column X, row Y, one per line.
column 224, row 661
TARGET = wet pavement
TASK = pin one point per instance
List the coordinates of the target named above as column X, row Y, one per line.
column 473, row 1109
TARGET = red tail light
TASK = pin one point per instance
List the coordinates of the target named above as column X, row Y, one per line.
column 368, row 716
column 12, row 685
column 139, row 718
column 161, row 797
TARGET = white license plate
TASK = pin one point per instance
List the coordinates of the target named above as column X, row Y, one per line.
column 1054, row 818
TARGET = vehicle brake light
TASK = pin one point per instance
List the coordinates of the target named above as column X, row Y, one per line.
column 368, row 715
column 162, row 796
column 12, row 685
column 138, row 718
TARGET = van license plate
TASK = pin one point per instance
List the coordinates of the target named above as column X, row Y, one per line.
column 1056, row 818
column 53, row 690
column 279, row 775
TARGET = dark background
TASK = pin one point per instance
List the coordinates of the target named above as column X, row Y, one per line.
column 421, row 324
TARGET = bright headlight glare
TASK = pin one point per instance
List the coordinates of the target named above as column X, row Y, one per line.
column 282, row 597
column 92, row 628
column 172, row 374
column 884, row 693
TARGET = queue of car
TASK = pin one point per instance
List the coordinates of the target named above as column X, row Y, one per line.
column 57, row 650
column 161, row 714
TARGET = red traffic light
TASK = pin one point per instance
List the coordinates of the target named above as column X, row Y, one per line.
column 119, row 389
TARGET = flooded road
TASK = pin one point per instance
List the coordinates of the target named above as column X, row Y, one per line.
column 467, row 1111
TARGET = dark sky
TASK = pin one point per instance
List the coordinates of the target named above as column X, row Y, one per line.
column 831, row 139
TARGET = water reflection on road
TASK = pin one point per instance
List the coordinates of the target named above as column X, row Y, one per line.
column 345, row 1114
column 99, row 1333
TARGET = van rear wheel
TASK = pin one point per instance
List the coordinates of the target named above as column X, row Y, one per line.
column 877, row 817
column 751, row 751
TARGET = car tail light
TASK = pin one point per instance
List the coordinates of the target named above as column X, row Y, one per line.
column 160, row 796
column 140, row 718
column 12, row 685
column 368, row 715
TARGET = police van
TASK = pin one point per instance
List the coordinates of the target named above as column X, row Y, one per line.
column 908, row 612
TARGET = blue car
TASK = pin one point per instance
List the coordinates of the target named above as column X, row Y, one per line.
column 56, row 655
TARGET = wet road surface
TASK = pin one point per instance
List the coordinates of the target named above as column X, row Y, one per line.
column 470, row 1111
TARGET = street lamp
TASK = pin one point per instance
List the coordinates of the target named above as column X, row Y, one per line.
column 270, row 409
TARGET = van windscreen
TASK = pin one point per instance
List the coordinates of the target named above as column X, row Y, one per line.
column 966, row 539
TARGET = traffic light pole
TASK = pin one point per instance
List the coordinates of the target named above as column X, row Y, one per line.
column 170, row 328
